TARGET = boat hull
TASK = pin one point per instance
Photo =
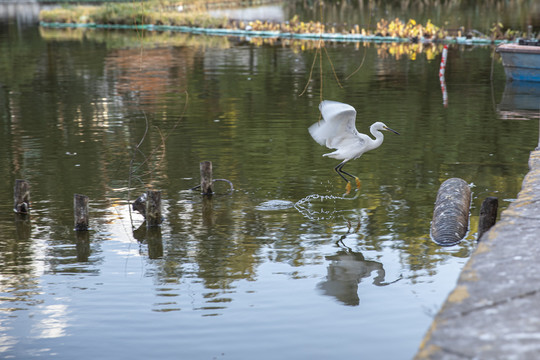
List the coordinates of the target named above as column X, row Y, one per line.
column 521, row 62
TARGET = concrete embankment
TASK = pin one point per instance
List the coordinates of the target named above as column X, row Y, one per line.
column 494, row 311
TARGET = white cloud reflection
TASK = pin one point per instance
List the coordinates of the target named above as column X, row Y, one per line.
column 54, row 322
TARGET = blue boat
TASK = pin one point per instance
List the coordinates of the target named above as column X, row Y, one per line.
column 521, row 61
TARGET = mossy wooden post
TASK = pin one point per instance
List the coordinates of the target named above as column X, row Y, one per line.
column 488, row 215
column 206, row 177
column 80, row 206
column 153, row 208
column 21, row 197
column 451, row 214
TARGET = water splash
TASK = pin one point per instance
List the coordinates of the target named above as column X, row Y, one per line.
column 307, row 207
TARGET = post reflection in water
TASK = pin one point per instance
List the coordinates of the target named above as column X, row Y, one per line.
column 23, row 226
column 82, row 244
column 152, row 237
column 208, row 211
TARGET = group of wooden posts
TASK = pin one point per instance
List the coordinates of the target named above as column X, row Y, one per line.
column 449, row 224
column 148, row 204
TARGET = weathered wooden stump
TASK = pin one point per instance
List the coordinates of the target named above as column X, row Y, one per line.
column 80, row 206
column 451, row 214
column 206, row 177
column 488, row 215
column 21, row 197
column 153, row 208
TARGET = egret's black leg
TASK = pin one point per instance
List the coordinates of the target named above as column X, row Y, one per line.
column 346, row 173
column 339, row 171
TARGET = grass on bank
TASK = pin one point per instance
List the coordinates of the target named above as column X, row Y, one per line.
column 193, row 14
column 165, row 12
column 156, row 12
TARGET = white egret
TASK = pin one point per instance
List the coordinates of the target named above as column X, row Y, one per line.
column 337, row 130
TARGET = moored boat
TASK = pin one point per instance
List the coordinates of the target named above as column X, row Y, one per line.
column 521, row 61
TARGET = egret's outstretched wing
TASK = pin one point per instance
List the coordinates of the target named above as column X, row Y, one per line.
column 337, row 128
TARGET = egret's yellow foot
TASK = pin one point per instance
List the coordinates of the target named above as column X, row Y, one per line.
column 358, row 183
column 348, row 188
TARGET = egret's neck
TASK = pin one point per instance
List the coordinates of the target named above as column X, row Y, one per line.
column 378, row 137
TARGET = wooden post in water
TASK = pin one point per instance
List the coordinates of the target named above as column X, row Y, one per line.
column 153, row 208
column 488, row 215
column 451, row 214
column 21, row 197
column 80, row 205
column 206, row 177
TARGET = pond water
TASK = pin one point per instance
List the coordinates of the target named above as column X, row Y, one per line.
column 259, row 272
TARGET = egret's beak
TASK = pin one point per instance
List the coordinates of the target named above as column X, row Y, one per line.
column 394, row 131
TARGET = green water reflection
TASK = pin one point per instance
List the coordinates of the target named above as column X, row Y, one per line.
column 75, row 106
column 452, row 15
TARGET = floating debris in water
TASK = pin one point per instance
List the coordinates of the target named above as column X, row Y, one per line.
column 271, row 205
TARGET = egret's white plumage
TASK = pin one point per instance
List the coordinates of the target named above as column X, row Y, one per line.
column 337, row 131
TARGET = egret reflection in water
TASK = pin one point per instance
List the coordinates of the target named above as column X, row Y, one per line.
column 345, row 271
column 337, row 130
